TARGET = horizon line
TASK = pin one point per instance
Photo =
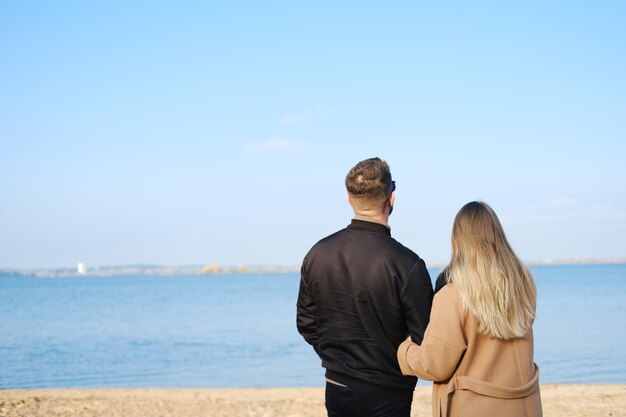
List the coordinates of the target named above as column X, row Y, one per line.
column 288, row 267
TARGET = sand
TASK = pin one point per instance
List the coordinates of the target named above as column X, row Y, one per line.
column 558, row 401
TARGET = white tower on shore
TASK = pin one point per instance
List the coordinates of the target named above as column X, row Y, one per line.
column 81, row 268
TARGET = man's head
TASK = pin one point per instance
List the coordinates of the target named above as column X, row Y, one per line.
column 370, row 188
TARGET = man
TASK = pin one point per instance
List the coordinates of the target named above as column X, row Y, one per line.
column 361, row 294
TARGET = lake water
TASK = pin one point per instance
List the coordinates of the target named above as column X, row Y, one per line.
column 239, row 330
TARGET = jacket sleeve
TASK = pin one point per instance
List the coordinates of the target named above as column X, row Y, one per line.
column 443, row 345
column 306, row 311
column 416, row 295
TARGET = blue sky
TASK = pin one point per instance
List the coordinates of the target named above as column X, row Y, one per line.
column 183, row 133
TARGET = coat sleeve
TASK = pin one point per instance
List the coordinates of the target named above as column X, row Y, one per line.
column 443, row 345
column 416, row 296
column 306, row 311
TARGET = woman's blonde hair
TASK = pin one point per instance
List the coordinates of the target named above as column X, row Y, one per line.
column 494, row 284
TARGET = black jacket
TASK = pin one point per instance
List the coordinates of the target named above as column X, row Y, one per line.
column 361, row 294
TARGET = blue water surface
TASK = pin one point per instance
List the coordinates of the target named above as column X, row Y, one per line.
column 239, row 330
column 580, row 330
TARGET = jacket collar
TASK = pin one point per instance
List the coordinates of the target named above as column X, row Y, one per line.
column 369, row 227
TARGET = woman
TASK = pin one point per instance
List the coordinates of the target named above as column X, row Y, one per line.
column 478, row 347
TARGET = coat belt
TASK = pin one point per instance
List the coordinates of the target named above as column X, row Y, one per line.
column 488, row 389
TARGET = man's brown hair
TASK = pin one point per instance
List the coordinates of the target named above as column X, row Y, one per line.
column 369, row 184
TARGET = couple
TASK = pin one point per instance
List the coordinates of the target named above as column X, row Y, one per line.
column 362, row 293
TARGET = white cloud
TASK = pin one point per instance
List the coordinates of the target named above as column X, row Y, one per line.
column 277, row 145
column 567, row 210
column 567, row 228
column 300, row 117
column 292, row 119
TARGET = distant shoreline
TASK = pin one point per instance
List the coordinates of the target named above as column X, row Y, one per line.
column 159, row 270
column 562, row 262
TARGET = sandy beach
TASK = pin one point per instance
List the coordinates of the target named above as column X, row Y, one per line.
column 558, row 401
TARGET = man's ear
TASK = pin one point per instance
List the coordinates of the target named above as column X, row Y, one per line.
column 392, row 199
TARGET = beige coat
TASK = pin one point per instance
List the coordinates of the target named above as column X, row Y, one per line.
column 474, row 375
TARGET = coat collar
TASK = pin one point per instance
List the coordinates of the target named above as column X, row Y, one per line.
column 368, row 226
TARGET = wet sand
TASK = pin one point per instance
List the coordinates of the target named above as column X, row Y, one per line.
column 558, row 401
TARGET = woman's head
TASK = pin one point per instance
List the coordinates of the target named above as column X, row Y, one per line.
column 495, row 286
column 477, row 230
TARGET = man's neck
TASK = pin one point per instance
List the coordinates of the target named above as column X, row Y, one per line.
column 380, row 218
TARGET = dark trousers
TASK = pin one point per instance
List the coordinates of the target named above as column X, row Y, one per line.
column 345, row 402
